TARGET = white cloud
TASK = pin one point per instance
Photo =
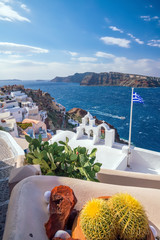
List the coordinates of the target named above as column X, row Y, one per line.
column 73, row 54
column 155, row 17
column 86, row 59
column 154, row 43
column 139, row 41
column 104, row 55
column 30, row 70
column 115, row 29
column 23, row 6
column 131, row 35
column 10, row 15
column 121, row 42
column 149, row 18
column 135, row 39
column 146, row 18
column 9, row 48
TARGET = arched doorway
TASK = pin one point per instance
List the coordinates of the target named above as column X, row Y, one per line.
column 91, row 133
column 87, row 121
column 84, row 131
column 102, row 132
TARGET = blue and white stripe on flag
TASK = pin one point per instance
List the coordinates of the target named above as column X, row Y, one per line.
column 137, row 98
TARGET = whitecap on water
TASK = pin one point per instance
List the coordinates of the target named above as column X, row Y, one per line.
column 109, row 115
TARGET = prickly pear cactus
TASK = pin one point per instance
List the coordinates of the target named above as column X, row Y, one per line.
column 96, row 220
column 130, row 217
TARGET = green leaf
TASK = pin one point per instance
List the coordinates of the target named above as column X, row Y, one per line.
column 28, row 138
column 70, row 169
column 37, row 154
column 35, row 143
column 44, row 153
column 40, row 138
column 93, row 153
column 49, row 173
column 92, row 160
column 82, row 159
column 54, row 145
column 30, row 155
column 59, row 148
column 63, row 166
column 36, row 161
column 96, row 168
column 73, row 157
column 61, row 142
column 53, row 166
column 44, row 165
column 98, row 164
column 67, row 140
column 87, row 164
column 82, row 150
column 46, row 143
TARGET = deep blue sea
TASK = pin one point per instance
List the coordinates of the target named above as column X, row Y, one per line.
column 110, row 104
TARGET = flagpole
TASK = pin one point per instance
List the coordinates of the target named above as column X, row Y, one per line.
column 130, row 130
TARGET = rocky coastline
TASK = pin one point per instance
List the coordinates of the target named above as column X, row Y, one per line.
column 111, row 79
column 56, row 118
column 44, row 101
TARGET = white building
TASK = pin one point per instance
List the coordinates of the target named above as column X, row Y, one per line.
column 111, row 154
column 8, row 123
column 10, row 104
column 12, row 107
column 30, row 110
column 19, row 96
column 16, row 112
column 32, row 113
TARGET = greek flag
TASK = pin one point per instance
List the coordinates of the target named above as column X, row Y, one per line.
column 137, row 98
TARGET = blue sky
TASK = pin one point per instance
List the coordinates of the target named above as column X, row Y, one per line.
column 42, row 39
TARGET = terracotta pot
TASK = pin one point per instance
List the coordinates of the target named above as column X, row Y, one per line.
column 76, row 229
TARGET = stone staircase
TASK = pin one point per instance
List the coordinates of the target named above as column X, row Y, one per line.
column 7, row 163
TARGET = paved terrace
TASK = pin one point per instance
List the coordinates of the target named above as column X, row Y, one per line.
column 7, row 163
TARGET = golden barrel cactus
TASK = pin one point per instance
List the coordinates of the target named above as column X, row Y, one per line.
column 130, row 217
column 96, row 220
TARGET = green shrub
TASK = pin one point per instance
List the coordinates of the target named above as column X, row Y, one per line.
column 61, row 160
column 2, row 128
column 24, row 125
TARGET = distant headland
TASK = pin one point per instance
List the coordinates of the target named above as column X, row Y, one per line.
column 111, row 79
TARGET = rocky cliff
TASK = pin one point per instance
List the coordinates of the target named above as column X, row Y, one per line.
column 111, row 79
column 76, row 78
column 78, row 113
column 120, row 79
